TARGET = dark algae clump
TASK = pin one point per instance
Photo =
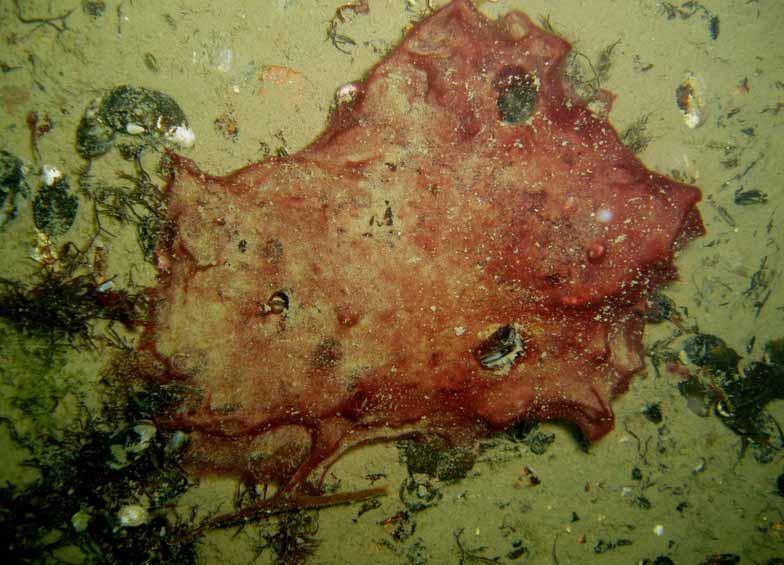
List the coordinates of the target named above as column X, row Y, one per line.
column 61, row 304
column 83, row 499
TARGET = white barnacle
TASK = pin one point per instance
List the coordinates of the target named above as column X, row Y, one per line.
column 132, row 515
column 51, row 174
column 347, row 93
column 181, row 135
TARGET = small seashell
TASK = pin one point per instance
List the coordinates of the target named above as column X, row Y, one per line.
column 134, row 129
column 501, row 350
column 688, row 96
column 176, row 442
column 144, row 433
column 279, row 302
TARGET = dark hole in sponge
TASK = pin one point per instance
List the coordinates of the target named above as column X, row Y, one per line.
column 517, row 94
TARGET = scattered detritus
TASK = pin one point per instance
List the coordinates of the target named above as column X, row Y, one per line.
column 634, row 137
column 759, row 290
column 604, row 62
column 227, row 125
column 660, row 353
column 603, row 546
column 94, row 8
column 586, row 76
column 654, row 413
column 722, row 213
column 341, row 42
column 140, row 204
column 723, row 559
column 292, row 538
column 472, row 555
column 435, row 457
column 660, row 308
column 547, row 25
column 528, row 433
column 59, row 23
column 737, row 178
column 687, row 9
column 151, row 62
column 366, row 507
column 418, row 492
column 746, row 197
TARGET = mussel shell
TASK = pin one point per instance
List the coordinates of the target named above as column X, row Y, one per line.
column 501, row 349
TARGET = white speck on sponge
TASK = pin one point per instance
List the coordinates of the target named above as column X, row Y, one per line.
column 604, row 215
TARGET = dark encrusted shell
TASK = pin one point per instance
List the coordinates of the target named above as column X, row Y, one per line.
column 151, row 109
column 12, row 184
column 126, row 110
column 54, row 208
